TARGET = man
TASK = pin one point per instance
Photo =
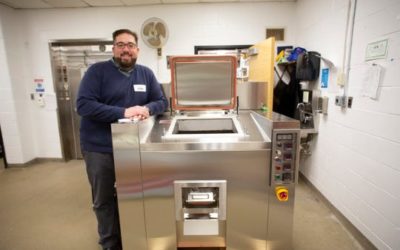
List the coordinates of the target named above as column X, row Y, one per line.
column 111, row 90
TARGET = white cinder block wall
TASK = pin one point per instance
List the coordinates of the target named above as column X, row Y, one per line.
column 189, row 25
column 15, row 111
column 355, row 160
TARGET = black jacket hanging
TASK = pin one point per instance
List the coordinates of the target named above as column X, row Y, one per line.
column 286, row 95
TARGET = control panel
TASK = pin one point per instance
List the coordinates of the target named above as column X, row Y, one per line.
column 284, row 152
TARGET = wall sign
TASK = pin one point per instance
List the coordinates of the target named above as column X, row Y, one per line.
column 324, row 78
column 376, row 50
column 39, row 87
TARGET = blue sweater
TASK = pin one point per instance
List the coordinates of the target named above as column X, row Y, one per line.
column 103, row 95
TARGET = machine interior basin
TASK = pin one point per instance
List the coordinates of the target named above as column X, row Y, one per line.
column 205, row 126
column 216, row 126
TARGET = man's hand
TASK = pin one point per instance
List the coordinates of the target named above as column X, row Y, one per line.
column 140, row 112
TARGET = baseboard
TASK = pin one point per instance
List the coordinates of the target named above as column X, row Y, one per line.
column 34, row 162
column 364, row 242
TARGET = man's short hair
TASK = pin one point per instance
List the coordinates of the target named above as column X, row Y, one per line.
column 122, row 31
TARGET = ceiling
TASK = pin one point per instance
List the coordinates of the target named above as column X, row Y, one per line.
column 48, row 4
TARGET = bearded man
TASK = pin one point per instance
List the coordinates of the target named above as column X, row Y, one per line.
column 111, row 90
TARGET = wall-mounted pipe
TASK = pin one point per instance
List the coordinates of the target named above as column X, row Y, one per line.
column 351, row 13
column 343, row 78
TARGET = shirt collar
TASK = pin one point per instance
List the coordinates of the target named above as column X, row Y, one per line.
column 116, row 64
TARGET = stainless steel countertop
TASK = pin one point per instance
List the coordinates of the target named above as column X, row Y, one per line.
column 280, row 121
column 153, row 133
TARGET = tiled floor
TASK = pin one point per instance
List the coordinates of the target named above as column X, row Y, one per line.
column 47, row 206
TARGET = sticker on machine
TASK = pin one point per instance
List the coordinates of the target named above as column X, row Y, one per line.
column 139, row 87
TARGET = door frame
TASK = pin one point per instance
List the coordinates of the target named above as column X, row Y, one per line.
column 68, row 43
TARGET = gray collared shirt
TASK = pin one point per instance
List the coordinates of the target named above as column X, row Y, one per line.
column 126, row 73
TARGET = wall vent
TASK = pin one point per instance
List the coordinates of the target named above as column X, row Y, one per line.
column 279, row 34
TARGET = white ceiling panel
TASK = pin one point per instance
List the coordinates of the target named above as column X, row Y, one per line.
column 141, row 2
column 267, row 0
column 218, row 1
column 104, row 3
column 39, row 4
column 179, row 1
column 25, row 4
column 67, row 3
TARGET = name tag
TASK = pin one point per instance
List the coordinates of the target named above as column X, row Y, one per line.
column 139, row 88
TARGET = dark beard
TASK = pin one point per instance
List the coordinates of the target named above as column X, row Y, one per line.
column 125, row 66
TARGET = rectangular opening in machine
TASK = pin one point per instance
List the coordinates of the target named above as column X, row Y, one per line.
column 205, row 126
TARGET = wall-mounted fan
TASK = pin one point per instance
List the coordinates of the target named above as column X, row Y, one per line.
column 154, row 33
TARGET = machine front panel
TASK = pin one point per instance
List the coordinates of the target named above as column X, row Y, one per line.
column 246, row 174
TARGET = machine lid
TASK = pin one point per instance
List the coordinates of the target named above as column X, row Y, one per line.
column 203, row 82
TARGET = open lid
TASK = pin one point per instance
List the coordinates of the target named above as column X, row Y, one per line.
column 203, row 82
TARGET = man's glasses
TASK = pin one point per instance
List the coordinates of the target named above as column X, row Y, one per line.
column 122, row 45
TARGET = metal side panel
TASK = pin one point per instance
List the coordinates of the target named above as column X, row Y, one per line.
column 129, row 185
column 280, row 220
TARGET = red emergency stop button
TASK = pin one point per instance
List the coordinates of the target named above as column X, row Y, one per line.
column 282, row 193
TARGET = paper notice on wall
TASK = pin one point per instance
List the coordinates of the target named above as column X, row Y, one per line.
column 371, row 81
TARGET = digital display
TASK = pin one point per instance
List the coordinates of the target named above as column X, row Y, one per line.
column 285, row 137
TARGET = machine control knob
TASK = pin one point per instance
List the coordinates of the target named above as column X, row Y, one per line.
column 282, row 193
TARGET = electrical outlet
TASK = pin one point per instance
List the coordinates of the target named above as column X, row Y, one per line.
column 344, row 101
column 340, row 101
column 349, row 102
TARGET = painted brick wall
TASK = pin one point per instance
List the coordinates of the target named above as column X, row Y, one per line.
column 355, row 161
column 356, row 155
column 15, row 115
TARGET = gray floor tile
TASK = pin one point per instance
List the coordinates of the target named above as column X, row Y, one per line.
column 48, row 206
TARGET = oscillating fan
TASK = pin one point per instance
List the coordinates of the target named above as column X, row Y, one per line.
column 154, row 33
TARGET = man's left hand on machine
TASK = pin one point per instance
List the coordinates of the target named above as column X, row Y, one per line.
column 137, row 112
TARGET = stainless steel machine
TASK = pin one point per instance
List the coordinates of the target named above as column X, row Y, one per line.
column 208, row 175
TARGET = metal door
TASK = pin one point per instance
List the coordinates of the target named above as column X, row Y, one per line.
column 70, row 61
